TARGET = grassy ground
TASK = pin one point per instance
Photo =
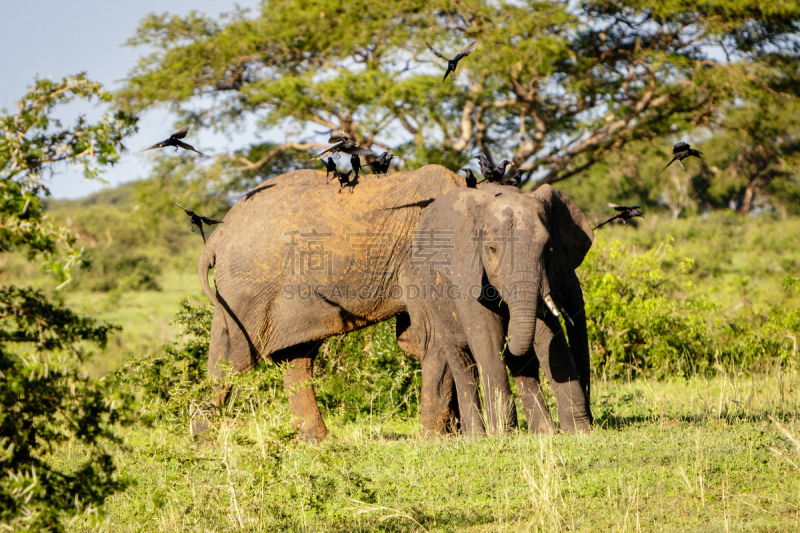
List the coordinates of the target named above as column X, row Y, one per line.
column 696, row 455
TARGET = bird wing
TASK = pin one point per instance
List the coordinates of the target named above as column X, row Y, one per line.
column 615, row 217
column 338, row 136
column 187, row 146
column 358, row 150
column 680, row 147
column 180, row 134
column 466, row 51
column 437, row 53
column 329, row 151
column 157, row 145
column 188, row 211
column 668, row 164
column 202, row 233
column 210, row 221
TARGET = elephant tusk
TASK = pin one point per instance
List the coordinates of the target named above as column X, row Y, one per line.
column 567, row 318
column 551, row 305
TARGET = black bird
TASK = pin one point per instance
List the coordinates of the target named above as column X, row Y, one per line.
column 489, row 172
column 514, row 180
column 344, row 179
column 174, row 141
column 343, row 145
column 330, row 166
column 355, row 162
column 625, row 213
column 199, row 220
column 453, row 63
column 472, row 181
column 681, row 151
column 381, row 164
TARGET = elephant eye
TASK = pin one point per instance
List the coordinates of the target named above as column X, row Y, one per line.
column 493, row 248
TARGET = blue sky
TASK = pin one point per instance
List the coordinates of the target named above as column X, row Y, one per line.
column 53, row 38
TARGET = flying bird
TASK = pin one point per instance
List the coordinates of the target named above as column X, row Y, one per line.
column 453, row 63
column 344, row 145
column 472, row 181
column 681, row 151
column 381, row 164
column 491, row 173
column 624, row 213
column 174, row 140
column 199, row 220
column 330, row 166
column 514, row 180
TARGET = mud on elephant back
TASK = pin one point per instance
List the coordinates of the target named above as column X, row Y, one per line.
column 510, row 270
column 296, row 262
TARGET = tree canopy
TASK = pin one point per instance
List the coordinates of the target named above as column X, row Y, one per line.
column 555, row 86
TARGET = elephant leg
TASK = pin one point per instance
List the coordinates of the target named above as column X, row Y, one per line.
column 302, row 400
column 526, row 374
column 577, row 332
column 486, row 337
column 556, row 360
column 465, row 374
column 437, row 400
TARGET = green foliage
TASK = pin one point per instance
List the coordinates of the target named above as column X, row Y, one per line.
column 562, row 86
column 133, row 272
column 641, row 317
column 165, row 379
column 33, row 144
column 366, row 373
column 646, row 317
column 46, row 402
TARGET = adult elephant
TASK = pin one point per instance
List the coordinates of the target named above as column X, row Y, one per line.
column 503, row 258
column 298, row 260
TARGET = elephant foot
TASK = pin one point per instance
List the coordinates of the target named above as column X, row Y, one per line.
column 311, row 432
column 201, row 417
column 222, row 395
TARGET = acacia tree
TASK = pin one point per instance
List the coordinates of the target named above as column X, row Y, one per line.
column 558, row 86
column 45, row 400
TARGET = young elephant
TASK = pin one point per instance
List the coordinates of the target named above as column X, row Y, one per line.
column 492, row 256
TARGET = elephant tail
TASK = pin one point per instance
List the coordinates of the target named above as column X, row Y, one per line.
column 208, row 258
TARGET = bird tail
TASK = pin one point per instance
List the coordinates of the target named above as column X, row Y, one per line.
column 208, row 259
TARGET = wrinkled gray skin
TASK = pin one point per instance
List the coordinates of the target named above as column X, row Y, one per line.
column 510, row 251
column 279, row 300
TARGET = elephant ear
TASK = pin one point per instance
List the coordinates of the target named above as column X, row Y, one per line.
column 570, row 231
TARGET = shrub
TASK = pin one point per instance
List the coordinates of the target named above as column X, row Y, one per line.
column 366, row 373
column 45, row 401
column 645, row 315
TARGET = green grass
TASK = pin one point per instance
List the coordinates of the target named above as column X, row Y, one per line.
column 683, row 455
column 145, row 317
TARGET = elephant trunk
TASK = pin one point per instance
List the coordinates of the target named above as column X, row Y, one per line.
column 523, row 302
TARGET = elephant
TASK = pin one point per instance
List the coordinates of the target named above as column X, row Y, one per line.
column 502, row 254
column 296, row 261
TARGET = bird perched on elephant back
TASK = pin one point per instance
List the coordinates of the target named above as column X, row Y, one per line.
column 301, row 263
column 510, row 272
